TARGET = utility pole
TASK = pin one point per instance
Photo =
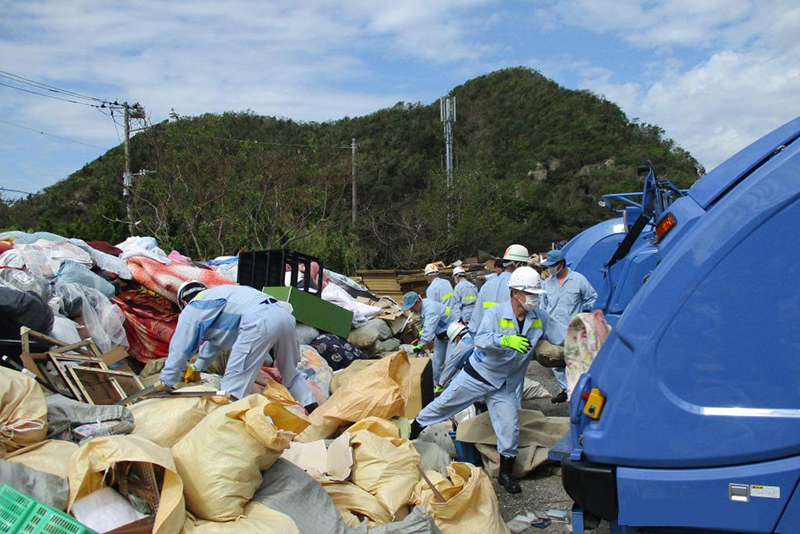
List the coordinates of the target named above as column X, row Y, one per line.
column 354, row 148
column 127, row 177
column 447, row 110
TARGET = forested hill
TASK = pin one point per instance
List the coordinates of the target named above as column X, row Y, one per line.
column 532, row 161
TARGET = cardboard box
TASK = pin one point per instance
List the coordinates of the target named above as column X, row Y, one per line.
column 314, row 311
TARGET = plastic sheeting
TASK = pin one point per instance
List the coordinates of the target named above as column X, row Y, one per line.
column 44, row 487
column 44, row 258
column 361, row 312
column 103, row 319
column 142, row 246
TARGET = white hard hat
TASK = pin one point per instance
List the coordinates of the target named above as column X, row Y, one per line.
column 455, row 330
column 516, row 253
column 431, row 268
column 459, row 271
column 527, row 280
column 188, row 290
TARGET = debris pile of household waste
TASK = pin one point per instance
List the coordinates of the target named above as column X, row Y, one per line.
column 85, row 330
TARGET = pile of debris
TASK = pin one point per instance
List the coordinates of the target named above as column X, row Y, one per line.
column 85, row 331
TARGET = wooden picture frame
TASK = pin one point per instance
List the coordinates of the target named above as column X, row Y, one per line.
column 37, row 364
column 65, row 376
column 102, row 386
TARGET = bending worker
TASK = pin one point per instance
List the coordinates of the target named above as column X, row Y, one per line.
column 458, row 351
column 466, row 295
column 495, row 291
column 567, row 293
column 495, row 371
column 435, row 320
column 439, row 290
column 246, row 321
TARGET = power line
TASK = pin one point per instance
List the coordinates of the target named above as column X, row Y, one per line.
column 16, row 191
column 51, row 96
column 52, row 135
column 40, row 85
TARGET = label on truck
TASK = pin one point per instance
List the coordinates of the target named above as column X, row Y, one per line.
column 767, row 492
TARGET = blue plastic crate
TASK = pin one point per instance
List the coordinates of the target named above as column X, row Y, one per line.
column 466, row 452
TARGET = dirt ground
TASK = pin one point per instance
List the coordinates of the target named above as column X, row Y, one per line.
column 540, row 493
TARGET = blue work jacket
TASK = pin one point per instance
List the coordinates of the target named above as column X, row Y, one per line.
column 564, row 301
column 466, row 297
column 435, row 320
column 492, row 293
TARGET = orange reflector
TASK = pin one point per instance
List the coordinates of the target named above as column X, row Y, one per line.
column 594, row 404
column 666, row 224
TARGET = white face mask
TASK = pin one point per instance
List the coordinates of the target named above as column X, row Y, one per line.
column 530, row 303
column 555, row 269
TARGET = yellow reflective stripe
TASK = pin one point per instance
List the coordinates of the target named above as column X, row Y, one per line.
column 487, row 305
column 536, row 324
column 447, row 311
column 451, row 294
column 507, row 323
column 200, row 296
column 470, row 298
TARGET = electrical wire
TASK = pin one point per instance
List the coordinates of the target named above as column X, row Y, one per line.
column 15, row 191
column 51, row 135
column 40, row 85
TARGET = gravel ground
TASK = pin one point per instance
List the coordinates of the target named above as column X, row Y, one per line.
column 542, row 492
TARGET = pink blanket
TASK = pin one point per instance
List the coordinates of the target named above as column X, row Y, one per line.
column 166, row 279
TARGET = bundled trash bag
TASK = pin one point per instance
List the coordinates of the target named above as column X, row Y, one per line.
column 366, row 336
column 470, row 505
column 166, row 421
column 65, row 415
column 23, row 308
column 78, row 273
column 586, row 334
column 387, row 468
column 347, row 497
column 22, row 280
column 49, row 456
column 256, row 519
column 317, row 372
column 378, row 426
column 277, row 392
column 90, row 463
column 105, row 261
column 23, row 411
column 380, row 390
column 235, row 443
column 306, row 334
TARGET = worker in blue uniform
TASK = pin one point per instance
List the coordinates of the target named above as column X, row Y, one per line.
column 439, row 290
column 459, row 349
column 466, row 295
column 243, row 320
column 495, row 371
column 567, row 293
column 435, row 320
column 495, row 290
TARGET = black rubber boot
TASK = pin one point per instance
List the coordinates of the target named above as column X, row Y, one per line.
column 505, row 478
column 560, row 398
column 416, row 429
column 311, row 407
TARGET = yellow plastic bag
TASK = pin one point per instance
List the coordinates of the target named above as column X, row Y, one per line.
column 277, row 392
column 346, row 496
column 221, row 459
column 23, row 411
column 89, row 464
column 380, row 390
column 51, row 456
column 378, row 426
column 257, row 519
column 387, row 468
column 471, row 503
column 166, row 421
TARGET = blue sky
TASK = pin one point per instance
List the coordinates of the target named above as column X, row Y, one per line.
column 715, row 74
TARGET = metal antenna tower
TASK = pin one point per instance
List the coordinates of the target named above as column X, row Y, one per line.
column 447, row 109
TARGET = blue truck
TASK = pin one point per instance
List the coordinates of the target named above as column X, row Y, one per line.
column 689, row 417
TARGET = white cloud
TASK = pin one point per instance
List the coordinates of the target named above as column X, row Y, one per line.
column 744, row 87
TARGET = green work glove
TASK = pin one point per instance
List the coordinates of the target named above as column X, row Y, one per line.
column 418, row 347
column 517, row 342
